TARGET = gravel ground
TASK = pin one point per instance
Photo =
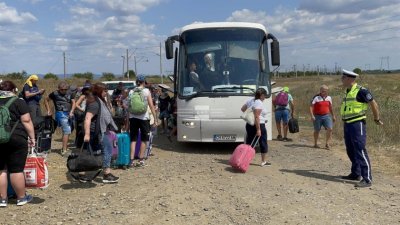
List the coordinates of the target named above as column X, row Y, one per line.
column 193, row 184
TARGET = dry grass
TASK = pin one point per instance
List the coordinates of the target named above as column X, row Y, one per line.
column 382, row 140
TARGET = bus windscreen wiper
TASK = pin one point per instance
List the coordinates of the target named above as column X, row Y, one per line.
column 226, row 89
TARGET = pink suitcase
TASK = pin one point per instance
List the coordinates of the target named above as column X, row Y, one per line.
column 243, row 155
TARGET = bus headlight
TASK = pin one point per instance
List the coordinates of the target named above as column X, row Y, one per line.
column 188, row 123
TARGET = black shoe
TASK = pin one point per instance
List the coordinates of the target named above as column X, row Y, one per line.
column 279, row 138
column 363, row 184
column 83, row 179
column 109, row 178
column 351, row 177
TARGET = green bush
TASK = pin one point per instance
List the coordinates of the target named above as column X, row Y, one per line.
column 108, row 76
column 87, row 75
column 50, row 76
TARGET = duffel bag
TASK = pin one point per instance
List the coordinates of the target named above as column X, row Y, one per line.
column 87, row 160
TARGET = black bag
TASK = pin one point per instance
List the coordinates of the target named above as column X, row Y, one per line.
column 43, row 141
column 85, row 160
column 293, row 125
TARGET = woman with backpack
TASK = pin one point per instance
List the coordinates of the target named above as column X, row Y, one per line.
column 139, row 118
column 98, row 121
column 14, row 151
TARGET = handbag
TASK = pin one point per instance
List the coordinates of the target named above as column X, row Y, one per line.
column 248, row 116
column 35, row 170
column 85, row 160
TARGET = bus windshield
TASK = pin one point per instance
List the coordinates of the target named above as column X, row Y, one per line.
column 222, row 61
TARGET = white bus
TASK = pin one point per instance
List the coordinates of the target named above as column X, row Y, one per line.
column 218, row 66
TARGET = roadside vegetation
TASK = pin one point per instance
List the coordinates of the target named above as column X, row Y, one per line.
column 382, row 141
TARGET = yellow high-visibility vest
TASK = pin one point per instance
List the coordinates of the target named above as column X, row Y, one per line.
column 351, row 110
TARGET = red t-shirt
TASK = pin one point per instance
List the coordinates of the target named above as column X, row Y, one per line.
column 321, row 105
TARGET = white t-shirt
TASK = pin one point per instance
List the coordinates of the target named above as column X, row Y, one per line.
column 145, row 116
column 258, row 104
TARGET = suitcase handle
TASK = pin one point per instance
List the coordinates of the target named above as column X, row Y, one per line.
column 255, row 141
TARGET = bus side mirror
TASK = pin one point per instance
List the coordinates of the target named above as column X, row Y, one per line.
column 275, row 58
column 169, row 48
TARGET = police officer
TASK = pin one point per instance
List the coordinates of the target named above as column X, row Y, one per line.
column 353, row 112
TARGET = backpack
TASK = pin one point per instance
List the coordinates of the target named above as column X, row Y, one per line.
column 137, row 102
column 282, row 99
column 5, row 131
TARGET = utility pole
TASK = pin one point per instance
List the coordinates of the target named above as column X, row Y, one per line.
column 134, row 59
column 123, row 65
column 64, row 65
column 161, row 75
column 127, row 63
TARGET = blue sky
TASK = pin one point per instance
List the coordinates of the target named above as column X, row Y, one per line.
column 95, row 33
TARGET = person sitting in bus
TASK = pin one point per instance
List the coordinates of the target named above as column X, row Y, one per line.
column 209, row 76
column 194, row 79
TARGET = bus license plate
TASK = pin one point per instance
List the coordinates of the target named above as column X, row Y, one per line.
column 224, row 137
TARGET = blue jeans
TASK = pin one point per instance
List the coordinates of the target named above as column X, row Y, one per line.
column 63, row 121
column 282, row 115
column 107, row 151
column 322, row 120
column 101, row 142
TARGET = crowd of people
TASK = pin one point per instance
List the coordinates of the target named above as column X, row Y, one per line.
column 88, row 110
column 92, row 112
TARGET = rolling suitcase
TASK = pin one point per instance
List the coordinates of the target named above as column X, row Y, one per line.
column 243, row 155
column 112, row 136
column 44, row 141
column 149, row 146
column 124, row 144
column 10, row 190
column 137, row 146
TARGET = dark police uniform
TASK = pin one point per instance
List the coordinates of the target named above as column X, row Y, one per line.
column 353, row 109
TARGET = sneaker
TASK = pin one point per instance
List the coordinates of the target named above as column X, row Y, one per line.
column 109, row 178
column 3, row 202
column 363, row 184
column 24, row 200
column 141, row 163
column 83, row 179
column 351, row 177
column 279, row 138
column 286, row 139
column 265, row 164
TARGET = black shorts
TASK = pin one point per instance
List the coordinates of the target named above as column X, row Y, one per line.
column 13, row 154
column 143, row 125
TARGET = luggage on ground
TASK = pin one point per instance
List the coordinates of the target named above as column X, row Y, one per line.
column 10, row 190
column 149, row 145
column 243, row 155
column 112, row 137
column 35, row 171
column 85, row 160
column 293, row 125
column 137, row 146
column 43, row 141
column 124, row 152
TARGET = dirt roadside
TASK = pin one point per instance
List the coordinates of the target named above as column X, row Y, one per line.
column 193, row 184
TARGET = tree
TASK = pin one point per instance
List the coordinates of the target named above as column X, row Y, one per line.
column 357, row 71
column 132, row 74
column 50, row 76
column 87, row 75
column 16, row 75
column 108, row 76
